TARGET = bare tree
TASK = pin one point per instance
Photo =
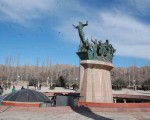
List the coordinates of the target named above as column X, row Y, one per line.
column 8, row 66
column 49, row 71
column 26, row 71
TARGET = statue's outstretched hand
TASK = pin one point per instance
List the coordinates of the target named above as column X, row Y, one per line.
column 74, row 26
column 86, row 22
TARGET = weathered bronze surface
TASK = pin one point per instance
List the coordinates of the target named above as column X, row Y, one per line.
column 94, row 50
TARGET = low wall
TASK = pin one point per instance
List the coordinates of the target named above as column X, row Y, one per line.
column 53, row 93
column 129, row 96
column 21, row 104
column 115, row 105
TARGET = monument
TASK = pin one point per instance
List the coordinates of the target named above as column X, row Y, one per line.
column 95, row 66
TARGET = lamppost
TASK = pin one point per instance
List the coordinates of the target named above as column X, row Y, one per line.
column 128, row 75
column 18, row 78
column 76, row 80
column 47, row 81
column 134, row 87
column 129, row 80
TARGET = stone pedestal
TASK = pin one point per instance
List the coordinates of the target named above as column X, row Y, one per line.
column 95, row 81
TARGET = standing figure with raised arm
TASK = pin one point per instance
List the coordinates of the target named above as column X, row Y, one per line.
column 81, row 33
column 95, row 48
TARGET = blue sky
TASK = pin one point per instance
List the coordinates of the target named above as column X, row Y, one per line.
column 43, row 29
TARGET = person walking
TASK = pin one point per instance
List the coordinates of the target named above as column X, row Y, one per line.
column 13, row 89
column 40, row 87
column 22, row 88
column 1, row 92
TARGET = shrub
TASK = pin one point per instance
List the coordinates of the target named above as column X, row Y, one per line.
column 52, row 86
column 119, row 84
column 33, row 82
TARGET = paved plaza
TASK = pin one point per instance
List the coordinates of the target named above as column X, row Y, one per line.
column 60, row 89
column 68, row 113
column 43, row 89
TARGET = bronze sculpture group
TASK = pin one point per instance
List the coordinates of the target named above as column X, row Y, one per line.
column 94, row 50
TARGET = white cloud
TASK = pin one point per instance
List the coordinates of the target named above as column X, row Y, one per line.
column 23, row 11
column 126, row 26
column 141, row 5
column 129, row 36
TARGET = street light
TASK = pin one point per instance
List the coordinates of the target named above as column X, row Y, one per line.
column 76, row 80
column 18, row 78
column 134, row 88
column 47, row 80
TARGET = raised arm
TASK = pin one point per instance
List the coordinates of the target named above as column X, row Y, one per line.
column 93, row 41
column 86, row 23
column 75, row 26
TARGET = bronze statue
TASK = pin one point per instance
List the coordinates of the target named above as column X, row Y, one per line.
column 96, row 50
column 81, row 33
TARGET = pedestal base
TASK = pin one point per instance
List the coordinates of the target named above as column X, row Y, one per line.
column 95, row 81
